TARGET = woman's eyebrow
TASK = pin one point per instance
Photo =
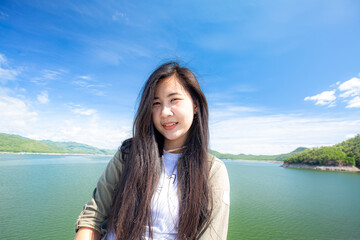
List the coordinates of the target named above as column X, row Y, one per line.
column 174, row 93
column 169, row 95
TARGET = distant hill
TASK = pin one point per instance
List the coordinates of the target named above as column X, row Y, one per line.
column 346, row 153
column 279, row 157
column 73, row 147
column 16, row 144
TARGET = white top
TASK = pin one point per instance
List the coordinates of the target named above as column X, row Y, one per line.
column 165, row 203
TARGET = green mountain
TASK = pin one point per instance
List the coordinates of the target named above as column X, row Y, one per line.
column 16, row 144
column 346, row 153
column 73, row 147
column 279, row 157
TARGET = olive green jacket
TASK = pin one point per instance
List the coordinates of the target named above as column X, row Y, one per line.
column 97, row 210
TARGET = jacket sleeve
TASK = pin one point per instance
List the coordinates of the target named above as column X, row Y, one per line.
column 97, row 210
column 219, row 182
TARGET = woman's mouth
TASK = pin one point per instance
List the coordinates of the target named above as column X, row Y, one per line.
column 170, row 125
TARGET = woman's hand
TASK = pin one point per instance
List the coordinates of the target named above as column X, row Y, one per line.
column 85, row 233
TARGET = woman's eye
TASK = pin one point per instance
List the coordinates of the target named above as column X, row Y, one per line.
column 156, row 103
column 174, row 99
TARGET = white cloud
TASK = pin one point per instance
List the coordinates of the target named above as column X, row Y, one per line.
column 82, row 83
column 324, row 98
column 47, row 75
column 89, row 85
column 78, row 109
column 6, row 73
column 90, row 130
column 275, row 134
column 350, row 136
column 84, row 126
column 219, row 111
column 43, row 97
column 96, row 132
column 350, row 88
column 270, row 134
column 242, row 109
column 51, row 74
column 354, row 103
column 84, row 111
column 85, row 77
column 15, row 114
column 223, row 107
column 351, row 92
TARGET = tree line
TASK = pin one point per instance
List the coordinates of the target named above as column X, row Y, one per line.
column 346, row 153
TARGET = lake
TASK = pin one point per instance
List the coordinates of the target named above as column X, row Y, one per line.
column 42, row 195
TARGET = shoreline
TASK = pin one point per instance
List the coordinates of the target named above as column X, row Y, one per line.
column 77, row 154
column 253, row 160
column 321, row 167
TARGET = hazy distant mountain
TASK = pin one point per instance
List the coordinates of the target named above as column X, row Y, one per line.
column 279, row 157
column 16, row 144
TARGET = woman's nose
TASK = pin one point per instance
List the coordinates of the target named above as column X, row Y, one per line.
column 166, row 111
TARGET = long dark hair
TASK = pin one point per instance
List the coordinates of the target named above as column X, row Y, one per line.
column 131, row 211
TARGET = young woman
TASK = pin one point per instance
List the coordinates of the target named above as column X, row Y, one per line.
column 162, row 183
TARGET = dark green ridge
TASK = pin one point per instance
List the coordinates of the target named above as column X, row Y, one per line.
column 346, row 153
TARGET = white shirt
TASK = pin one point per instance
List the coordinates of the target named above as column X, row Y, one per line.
column 165, row 203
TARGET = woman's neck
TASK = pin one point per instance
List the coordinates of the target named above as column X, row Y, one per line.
column 175, row 150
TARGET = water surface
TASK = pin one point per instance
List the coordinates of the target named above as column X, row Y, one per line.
column 42, row 195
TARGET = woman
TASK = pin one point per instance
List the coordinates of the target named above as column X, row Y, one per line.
column 162, row 183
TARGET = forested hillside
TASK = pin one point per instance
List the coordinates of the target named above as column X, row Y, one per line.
column 346, row 153
column 17, row 144
column 73, row 147
column 14, row 143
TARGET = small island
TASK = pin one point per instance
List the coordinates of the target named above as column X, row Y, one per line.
column 344, row 156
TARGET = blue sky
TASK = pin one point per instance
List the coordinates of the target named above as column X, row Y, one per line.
column 277, row 74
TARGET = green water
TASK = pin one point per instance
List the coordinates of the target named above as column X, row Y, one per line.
column 42, row 195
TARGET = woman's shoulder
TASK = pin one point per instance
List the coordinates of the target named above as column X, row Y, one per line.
column 216, row 164
column 219, row 179
column 124, row 150
column 214, row 160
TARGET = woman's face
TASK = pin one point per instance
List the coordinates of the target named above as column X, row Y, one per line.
column 172, row 112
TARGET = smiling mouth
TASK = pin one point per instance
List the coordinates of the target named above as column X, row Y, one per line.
column 169, row 126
